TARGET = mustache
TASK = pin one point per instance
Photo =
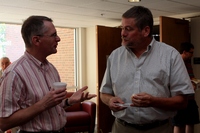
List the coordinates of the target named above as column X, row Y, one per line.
column 122, row 37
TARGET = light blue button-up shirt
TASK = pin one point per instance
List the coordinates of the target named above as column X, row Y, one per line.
column 159, row 71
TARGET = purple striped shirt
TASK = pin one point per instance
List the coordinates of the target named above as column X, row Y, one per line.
column 25, row 82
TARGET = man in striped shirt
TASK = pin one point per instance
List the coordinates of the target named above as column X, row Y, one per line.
column 27, row 96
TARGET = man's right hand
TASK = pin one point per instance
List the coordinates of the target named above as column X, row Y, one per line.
column 53, row 98
column 113, row 104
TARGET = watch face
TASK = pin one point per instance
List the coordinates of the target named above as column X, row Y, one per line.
column 66, row 102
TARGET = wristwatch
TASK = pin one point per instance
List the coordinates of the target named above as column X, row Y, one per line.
column 66, row 102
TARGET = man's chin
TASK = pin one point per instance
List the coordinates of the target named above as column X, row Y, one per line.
column 55, row 51
column 127, row 45
column 124, row 43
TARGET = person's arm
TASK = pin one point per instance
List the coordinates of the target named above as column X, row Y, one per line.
column 146, row 100
column 111, row 101
column 171, row 103
column 80, row 96
column 22, row 116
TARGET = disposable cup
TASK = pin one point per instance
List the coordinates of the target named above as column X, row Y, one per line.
column 59, row 85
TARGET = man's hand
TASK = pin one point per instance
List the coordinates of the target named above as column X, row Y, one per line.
column 24, row 115
column 80, row 96
column 53, row 98
column 142, row 100
column 113, row 104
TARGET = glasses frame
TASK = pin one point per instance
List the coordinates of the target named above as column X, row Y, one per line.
column 55, row 35
column 190, row 52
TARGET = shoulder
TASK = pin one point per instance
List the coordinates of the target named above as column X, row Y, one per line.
column 16, row 64
column 164, row 48
column 118, row 51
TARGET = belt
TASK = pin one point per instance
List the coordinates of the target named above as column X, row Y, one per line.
column 62, row 130
column 143, row 126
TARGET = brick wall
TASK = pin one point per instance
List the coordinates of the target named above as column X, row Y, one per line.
column 63, row 60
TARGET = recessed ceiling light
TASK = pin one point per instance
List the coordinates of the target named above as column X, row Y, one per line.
column 134, row 0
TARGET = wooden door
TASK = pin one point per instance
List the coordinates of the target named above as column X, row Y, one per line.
column 108, row 39
column 174, row 31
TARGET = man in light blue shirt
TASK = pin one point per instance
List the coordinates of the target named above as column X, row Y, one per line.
column 149, row 76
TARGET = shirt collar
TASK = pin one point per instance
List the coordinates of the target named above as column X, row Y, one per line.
column 36, row 61
column 148, row 47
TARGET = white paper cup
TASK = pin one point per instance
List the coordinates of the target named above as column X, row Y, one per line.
column 59, row 85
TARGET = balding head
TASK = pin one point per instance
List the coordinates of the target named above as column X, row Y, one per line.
column 5, row 62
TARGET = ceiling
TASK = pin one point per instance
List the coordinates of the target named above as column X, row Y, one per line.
column 87, row 13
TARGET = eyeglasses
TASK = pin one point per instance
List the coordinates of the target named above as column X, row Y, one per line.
column 52, row 35
column 127, row 28
column 191, row 52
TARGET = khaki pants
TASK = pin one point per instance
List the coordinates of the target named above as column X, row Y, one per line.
column 120, row 128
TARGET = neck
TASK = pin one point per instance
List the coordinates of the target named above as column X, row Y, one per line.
column 141, row 47
column 183, row 57
column 39, row 56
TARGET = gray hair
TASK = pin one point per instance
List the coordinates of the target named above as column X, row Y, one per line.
column 142, row 16
column 34, row 25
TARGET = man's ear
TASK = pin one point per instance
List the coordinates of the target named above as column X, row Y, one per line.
column 184, row 52
column 146, row 31
column 36, row 40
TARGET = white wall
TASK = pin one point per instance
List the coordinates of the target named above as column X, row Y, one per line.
column 91, row 62
column 82, row 57
column 195, row 39
column 87, row 59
